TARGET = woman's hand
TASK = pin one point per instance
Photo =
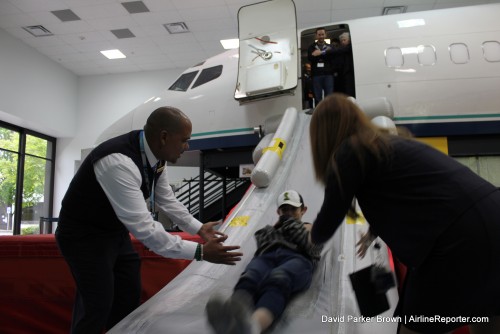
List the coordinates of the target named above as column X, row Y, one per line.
column 364, row 243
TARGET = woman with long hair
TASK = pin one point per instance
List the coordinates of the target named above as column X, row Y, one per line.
column 438, row 217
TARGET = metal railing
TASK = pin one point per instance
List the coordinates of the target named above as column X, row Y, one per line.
column 214, row 186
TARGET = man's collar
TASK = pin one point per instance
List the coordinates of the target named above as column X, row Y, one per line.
column 149, row 154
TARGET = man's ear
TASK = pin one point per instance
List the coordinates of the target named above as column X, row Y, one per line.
column 164, row 136
column 304, row 210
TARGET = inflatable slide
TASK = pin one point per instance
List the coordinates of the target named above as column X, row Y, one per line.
column 329, row 306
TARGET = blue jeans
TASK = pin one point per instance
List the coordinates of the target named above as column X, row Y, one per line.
column 273, row 277
column 322, row 83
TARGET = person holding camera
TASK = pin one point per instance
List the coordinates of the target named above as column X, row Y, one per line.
column 438, row 218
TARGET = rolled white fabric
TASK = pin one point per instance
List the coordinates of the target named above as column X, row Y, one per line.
column 273, row 153
column 379, row 106
column 385, row 123
column 259, row 149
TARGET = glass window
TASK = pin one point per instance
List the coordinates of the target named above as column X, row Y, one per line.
column 459, row 53
column 491, row 51
column 183, row 82
column 37, row 170
column 26, row 180
column 394, row 57
column 9, row 147
column 426, row 55
column 36, row 146
column 207, row 75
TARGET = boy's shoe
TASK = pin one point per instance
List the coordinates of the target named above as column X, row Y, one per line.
column 241, row 305
column 219, row 316
column 232, row 316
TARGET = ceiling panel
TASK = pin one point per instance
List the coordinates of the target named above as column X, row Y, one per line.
column 76, row 44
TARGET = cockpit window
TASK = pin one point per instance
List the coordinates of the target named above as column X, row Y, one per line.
column 183, row 82
column 207, row 75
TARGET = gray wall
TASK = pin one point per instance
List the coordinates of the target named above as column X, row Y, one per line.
column 39, row 94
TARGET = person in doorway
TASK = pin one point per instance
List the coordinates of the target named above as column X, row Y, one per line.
column 342, row 65
column 282, row 266
column 346, row 73
column 106, row 201
column 321, row 67
column 438, row 217
column 307, row 87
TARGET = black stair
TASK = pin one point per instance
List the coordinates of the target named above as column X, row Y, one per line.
column 220, row 195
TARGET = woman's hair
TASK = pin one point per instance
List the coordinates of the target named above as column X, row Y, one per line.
column 336, row 119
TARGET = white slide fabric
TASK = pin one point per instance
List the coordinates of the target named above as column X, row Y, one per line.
column 272, row 155
column 328, row 306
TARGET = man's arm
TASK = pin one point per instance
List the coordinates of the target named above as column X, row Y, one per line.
column 169, row 204
column 121, row 180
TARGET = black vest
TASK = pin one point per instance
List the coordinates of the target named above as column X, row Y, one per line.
column 85, row 207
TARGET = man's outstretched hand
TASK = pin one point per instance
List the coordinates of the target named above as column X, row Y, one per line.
column 214, row 251
column 208, row 231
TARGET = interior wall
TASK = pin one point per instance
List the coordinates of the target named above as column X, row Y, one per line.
column 41, row 95
column 35, row 92
column 103, row 99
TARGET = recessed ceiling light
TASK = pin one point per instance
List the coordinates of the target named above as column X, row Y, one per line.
column 176, row 28
column 38, row 31
column 230, row 43
column 394, row 10
column 411, row 23
column 113, row 54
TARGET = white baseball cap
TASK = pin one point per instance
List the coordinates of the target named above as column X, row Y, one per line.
column 290, row 197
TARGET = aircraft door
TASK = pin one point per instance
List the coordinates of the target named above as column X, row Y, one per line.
column 268, row 53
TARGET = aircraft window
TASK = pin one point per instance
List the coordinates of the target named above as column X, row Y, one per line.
column 426, row 55
column 183, row 82
column 207, row 75
column 491, row 51
column 459, row 53
column 394, row 57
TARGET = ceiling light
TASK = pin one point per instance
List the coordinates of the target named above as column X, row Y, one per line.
column 113, row 54
column 411, row 23
column 38, row 31
column 176, row 28
column 230, row 43
column 394, row 10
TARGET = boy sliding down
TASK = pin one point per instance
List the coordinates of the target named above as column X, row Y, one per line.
column 281, row 267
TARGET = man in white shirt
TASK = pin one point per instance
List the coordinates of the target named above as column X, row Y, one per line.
column 106, row 201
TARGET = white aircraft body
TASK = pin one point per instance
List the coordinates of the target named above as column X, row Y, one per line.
column 440, row 71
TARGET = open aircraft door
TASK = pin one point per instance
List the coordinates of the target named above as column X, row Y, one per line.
column 268, row 54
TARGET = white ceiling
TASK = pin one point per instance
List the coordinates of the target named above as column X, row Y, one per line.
column 76, row 44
